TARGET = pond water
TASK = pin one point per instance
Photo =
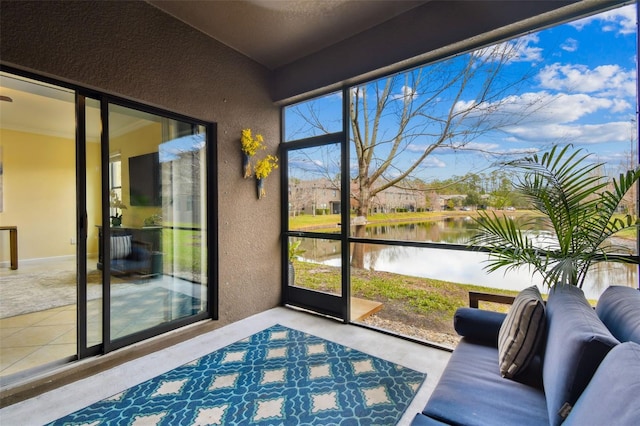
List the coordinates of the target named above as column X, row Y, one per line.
column 465, row 267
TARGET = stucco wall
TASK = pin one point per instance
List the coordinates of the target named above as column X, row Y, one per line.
column 133, row 50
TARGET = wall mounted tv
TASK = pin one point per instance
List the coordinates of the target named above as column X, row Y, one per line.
column 144, row 180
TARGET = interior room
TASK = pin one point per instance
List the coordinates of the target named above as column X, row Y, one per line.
column 178, row 178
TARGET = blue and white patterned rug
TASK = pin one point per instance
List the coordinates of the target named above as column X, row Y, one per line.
column 278, row 376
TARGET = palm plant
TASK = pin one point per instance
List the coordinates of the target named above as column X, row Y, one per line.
column 578, row 206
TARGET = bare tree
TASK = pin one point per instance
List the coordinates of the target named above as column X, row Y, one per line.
column 398, row 122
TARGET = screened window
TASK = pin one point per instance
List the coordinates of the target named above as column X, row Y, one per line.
column 431, row 148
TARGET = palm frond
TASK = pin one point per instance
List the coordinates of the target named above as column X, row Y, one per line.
column 579, row 209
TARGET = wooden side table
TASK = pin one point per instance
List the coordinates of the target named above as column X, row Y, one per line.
column 13, row 244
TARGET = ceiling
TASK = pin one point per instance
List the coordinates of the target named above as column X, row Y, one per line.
column 278, row 32
column 37, row 107
column 272, row 32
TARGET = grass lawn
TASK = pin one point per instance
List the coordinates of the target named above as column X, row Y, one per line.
column 188, row 256
column 331, row 220
column 419, row 302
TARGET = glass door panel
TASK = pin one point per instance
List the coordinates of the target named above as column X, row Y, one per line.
column 157, row 235
column 38, row 290
column 315, row 264
column 314, row 189
column 314, row 273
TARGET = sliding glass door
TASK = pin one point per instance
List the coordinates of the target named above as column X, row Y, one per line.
column 115, row 239
column 156, row 252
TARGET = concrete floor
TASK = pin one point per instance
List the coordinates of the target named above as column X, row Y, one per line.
column 67, row 399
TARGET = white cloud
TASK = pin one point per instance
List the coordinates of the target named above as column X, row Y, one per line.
column 519, row 151
column 610, row 79
column 544, row 107
column 563, row 108
column 548, row 117
column 414, row 147
column 464, row 105
column 408, row 94
column 433, row 162
column 576, row 133
column 621, row 20
column 620, row 105
column 570, row 45
column 476, row 146
column 522, row 49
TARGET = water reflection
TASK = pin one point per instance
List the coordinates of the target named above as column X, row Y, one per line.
column 467, row 268
column 449, row 230
column 454, row 265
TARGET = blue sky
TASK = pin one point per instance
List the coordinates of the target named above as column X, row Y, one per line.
column 581, row 76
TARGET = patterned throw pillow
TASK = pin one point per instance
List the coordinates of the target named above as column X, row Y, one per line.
column 120, row 246
column 521, row 332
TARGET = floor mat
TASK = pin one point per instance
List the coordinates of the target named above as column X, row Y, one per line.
column 278, row 376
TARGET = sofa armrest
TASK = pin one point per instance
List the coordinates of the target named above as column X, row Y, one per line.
column 479, row 325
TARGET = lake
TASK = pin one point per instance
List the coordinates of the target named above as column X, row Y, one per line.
column 464, row 267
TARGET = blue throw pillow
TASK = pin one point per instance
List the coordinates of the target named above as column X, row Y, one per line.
column 619, row 310
column 577, row 341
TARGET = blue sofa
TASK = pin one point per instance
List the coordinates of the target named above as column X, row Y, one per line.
column 581, row 375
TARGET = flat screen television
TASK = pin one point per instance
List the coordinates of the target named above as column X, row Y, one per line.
column 144, row 180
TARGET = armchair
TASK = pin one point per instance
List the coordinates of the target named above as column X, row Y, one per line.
column 130, row 256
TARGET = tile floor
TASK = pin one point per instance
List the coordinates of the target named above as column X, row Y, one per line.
column 57, row 403
column 35, row 339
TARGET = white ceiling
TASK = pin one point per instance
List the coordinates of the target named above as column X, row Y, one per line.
column 277, row 32
column 45, row 109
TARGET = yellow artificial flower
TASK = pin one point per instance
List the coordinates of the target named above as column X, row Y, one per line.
column 265, row 166
column 251, row 145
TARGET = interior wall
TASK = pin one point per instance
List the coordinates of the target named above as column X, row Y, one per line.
column 131, row 49
column 39, row 197
column 94, row 198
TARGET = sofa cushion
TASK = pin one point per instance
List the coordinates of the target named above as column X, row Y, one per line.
column 478, row 325
column 471, row 392
column 619, row 310
column 611, row 398
column 577, row 341
column 521, row 332
column 120, row 246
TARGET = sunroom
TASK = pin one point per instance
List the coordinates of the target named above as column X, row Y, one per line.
column 138, row 228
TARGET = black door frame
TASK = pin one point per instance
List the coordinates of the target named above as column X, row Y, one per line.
column 324, row 303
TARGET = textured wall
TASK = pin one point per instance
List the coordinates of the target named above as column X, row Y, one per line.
column 133, row 50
